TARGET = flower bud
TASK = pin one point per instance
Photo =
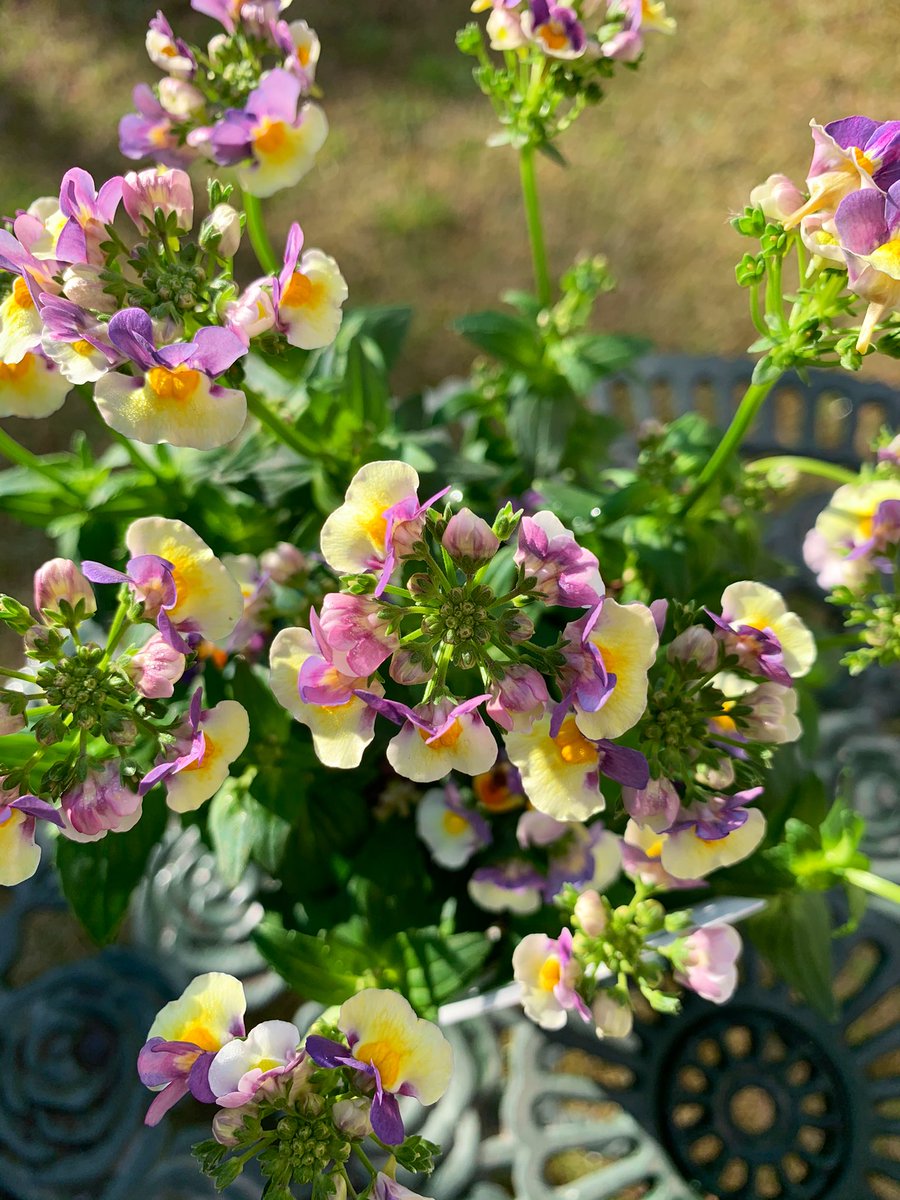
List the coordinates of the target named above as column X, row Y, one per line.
column 411, row 666
column 516, row 625
column 590, row 914
column 226, row 1126
column 694, row 644
column 221, row 231
column 83, row 286
column 253, row 312
column 156, row 668
column 60, row 579
column 779, row 197
column 351, row 1117
column 216, row 45
column 613, row 1016
column 168, row 189
column 283, row 562
column 179, row 98
column 657, row 805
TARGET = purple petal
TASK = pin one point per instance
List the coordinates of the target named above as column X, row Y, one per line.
column 386, row 1120
column 198, row 1079
column 624, row 765
column 36, row 807
column 852, row 131
column 170, row 634
column 292, row 249
column 217, row 349
column 276, row 96
column 394, row 710
column 131, row 331
column 71, row 246
column 166, row 1099
column 176, row 354
column 327, row 1052
column 98, row 573
column 860, row 221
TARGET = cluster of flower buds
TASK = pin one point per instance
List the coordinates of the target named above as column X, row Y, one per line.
column 242, row 101
column 591, row 968
column 104, row 728
column 854, row 549
column 304, row 1106
column 146, row 311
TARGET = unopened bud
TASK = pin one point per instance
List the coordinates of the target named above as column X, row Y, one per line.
column 410, row 666
column 221, row 231
column 226, row 1126
column 613, row 1016
column 61, row 580
column 779, row 197
column 283, row 562
column 351, row 1117
column 590, row 913
column 694, row 644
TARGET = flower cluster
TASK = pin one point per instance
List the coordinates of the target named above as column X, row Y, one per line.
column 105, row 727
column 304, row 1106
column 854, row 549
column 146, row 311
column 242, row 101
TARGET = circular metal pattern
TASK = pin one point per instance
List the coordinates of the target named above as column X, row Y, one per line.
column 193, row 922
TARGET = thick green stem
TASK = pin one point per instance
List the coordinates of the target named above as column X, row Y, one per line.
column 805, row 466
column 259, row 238
column 530, row 196
column 284, row 432
column 735, row 433
column 11, row 450
column 874, row 884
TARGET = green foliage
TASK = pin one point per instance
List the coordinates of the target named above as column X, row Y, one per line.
column 794, row 933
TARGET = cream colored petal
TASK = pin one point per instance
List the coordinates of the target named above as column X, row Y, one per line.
column 290, row 650
column 31, row 388
column 210, row 1008
column 354, row 534
column 20, row 328
column 797, row 643
column 558, row 788
column 627, row 638
column 750, row 603
column 19, row 853
column 274, row 172
column 227, row 729
column 207, row 419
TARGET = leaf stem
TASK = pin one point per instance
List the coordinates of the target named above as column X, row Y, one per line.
column 16, row 453
column 259, row 238
column 283, row 432
column 528, row 177
column 805, row 466
column 870, row 882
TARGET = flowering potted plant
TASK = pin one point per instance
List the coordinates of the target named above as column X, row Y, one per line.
column 481, row 703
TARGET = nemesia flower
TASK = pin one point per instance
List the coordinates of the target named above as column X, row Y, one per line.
column 657, row 805
column 173, row 399
column 819, row 235
column 206, row 746
column 714, row 834
column 590, row 915
column 612, row 1016
column 639, row 15
column 767, row 639
column 868, row 229
column 179, row 98
column 566, row 574
column 511, row 886
column 227, row 12
column 610, row 653
column 839, row 546
column 19, row 852
column 244, row 1066
column 38, row 228
column 149, row 133
column 101, row 804
column 437, row 738
column 276, row 134
column 500, row 789
column 156, row 668
column 773, row 716
column 378, row 523
column 504, row 29
column 549, row 975
column 386, row 1188
column 642, row 849
column 561, row 772
column 469, row 540
column 75, row 341
column 519, row 698
column 555, row 28
column 60, row 579
column 253, row 312
column 358, row 637
column 308, row 295
column 185, row 1038
column 165, row 188
column 88, row 212
column 779, row 197
column 452, row 831
column 706, row 962
column 31, row 387
column 851, row 154
column 406, row 1055
column 20, row 319
column 208, row 600
column 166, row 51
column 303, row 49
column 342, row 728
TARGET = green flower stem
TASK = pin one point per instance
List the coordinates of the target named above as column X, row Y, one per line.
column 756, row 312
column 528, row 177
column 874, row 884
column 15, row 453
column 806, row 466
column 10, row 674
column 259, row 238
column 364, row 1159
column 117, row 630
column 735, row 433
column 283, row 432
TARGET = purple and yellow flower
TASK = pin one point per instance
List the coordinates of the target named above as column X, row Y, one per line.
column 561, row 771
column 504, row 29
column 246, row 1066
column 75, row 341
column 87, row 214
column 555, row 28
column 642, row 849
column 185, row 1038
column 341, row 726
column 868, row 229
column 577, row 854
column 21, row 327
column 274, row 139
column 610, row 652
column 706, row 962
column 405, row 1055
column 500, row 789
column 452, row 830
column 253, row 312
column 302, row 46
column 519, row 698
column 716, row 833
column 173, row 398
column 566, row 574
column 168, row 52
column 436, row 738
column 549, row 974
column 150, row 132
column 31, row 387
column 19, row 852
column 99, row 805
column 205, row 747
column 511, row 886
column 849, row 155
column 637, row 16
column 308, row 295
column 378, row 523
column 847, row 532
column 766, row 638
column 156, row 667
column 167, row 189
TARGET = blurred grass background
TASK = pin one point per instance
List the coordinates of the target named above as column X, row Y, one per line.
column 414, row 206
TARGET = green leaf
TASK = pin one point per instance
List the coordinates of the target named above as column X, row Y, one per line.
column 325, row 969
column 98, row 877
column 232, row 830
column 539, row 427
column 509, row 338
column 438, row 966
column 794, row 934
column 387, row 325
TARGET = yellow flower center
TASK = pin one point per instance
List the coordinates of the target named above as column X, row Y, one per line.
column 14, row 372
column 448, row 738
column 454, row 824
column 723, row 721
column 384, row 1058
column 549, row 974
column 21, row 295
column 267, row 1064
column 553, row 35
column 179, row 383
column 270, row 137
column 654, row 850
column 574, row 748
column 209, row 751
column 862, row 160
column 169, row 51
column 85, row 349
column 302, row 292
column 159, row 135
column 303, row 55
column 200, row 1035
column 887, row 258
